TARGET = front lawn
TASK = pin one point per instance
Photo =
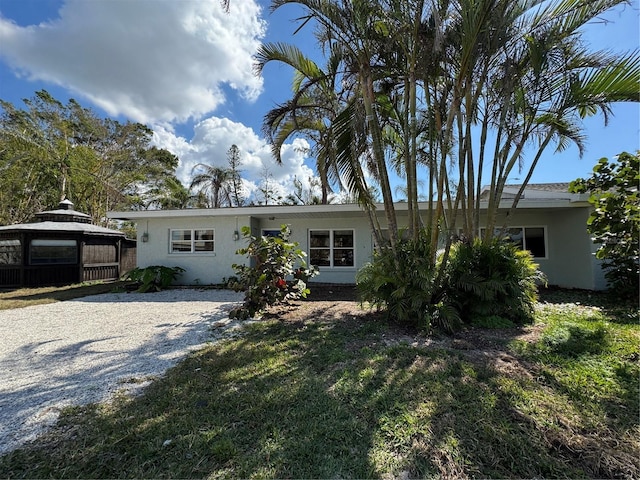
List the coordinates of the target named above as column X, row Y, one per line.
column 325, row 390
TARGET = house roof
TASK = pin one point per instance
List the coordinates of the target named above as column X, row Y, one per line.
column 552, row 195
column 545, row 187
column 64, row 213
column 556, row 191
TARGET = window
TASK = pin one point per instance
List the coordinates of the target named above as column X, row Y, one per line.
column 10, row 252
column 191, row 241
column 271, row 233
column 48, row 252
column 331, row 248
column 527, row 238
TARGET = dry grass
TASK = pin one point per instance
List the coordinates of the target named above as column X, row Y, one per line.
column 25, row 297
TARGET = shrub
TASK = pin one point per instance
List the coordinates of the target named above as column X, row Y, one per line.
column 154, row 278
column 490, row 281
column 615, row 220
column 265, row 281
column 404, row 285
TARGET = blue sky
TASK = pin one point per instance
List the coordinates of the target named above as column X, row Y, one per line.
column 184, row 68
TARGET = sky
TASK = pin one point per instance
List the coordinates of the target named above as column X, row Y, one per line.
column 185, row 68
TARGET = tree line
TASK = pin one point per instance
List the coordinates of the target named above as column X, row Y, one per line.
column 50, row 151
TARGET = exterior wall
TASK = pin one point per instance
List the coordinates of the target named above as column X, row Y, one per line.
column 201, row 268
column 213, row 268
column 569, row 260
column 300, row 233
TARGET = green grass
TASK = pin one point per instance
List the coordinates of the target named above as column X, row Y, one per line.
column 330, row 396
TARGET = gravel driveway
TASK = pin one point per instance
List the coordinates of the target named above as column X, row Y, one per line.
column 84, row 350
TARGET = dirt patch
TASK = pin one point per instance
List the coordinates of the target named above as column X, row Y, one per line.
column 328, row 292
column 331, row 301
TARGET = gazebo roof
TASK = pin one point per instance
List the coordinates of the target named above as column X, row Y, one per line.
column 61, row 227
column 62, row 220
column 64, row 213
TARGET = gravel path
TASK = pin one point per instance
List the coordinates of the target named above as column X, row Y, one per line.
column 85, row 350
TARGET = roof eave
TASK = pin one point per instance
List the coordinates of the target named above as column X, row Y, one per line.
column 282, row 211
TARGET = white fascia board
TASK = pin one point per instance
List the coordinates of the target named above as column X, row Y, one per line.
column 350, row 209
column 260, row 211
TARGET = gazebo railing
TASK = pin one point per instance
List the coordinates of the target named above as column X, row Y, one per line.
column 101, row 271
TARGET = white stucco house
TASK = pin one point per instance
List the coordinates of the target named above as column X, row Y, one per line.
column 549, row 221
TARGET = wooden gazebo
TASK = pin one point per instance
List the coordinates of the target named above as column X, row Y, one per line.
column 62, row 247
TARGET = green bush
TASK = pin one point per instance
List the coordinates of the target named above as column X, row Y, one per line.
column 265, row 281
column 154, row 278
column 404, row 286
column 615, row 220
column 487, row 281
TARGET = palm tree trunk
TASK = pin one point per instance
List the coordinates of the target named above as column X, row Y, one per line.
column 373, row 125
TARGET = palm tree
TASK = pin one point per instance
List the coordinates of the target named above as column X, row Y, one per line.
column 213, row 184
column 491, row 76
column 348, row 29
column 311, row 112
column 531, row 84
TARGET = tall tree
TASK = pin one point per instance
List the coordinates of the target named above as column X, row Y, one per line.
column 50, row 150
column 492, row 78
column 267, row 192
column 311, row 112
column 212, row 182
column 236, row 189
column 169, row 194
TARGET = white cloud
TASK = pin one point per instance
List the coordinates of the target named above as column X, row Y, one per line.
column 212, row 138
column 148, row 60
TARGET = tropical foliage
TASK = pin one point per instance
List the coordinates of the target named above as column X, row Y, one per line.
column 213, row 184
column 451, row 95
column 615, row 219
column 493, row 284
column 406, row 286
column 154, row 278
column 277, row 273
column 489, row 285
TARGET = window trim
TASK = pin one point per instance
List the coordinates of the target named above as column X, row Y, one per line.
column 332, row 247
column 192, row 241
column 524, row 237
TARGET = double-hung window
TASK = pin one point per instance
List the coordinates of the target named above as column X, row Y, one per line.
column 331, row 248
column 526, row 238
column 191, row 241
